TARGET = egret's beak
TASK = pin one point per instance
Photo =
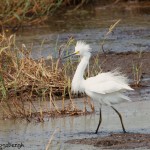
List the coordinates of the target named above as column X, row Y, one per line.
column 75, row 53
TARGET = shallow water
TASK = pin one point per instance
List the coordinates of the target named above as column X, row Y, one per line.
column 36, row 135
column 91, row 25
column 132, row 34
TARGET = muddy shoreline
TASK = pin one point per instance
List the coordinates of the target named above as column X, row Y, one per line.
column 117, row 141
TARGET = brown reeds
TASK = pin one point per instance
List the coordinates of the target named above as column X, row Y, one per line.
column 30, row 88
column 20, row 73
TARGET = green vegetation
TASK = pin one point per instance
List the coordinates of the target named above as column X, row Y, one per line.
column 18, row 12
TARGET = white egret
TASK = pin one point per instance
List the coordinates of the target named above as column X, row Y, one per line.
column 106, row 88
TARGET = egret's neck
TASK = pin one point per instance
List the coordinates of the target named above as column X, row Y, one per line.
column 81, row 68
column 78, row 77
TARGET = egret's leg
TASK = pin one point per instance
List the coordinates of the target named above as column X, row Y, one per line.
column 120, row 119
column 100, row 120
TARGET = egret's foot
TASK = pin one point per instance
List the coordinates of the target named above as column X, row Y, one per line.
column 96, row 132
column 124, row 131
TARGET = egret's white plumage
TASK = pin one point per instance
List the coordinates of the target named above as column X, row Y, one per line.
column 106, row 88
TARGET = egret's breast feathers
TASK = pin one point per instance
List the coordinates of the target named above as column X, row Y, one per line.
column 77, row 86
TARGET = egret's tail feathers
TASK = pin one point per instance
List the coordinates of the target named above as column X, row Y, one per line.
column 127, row 87
column 124, row 97
column 130, row 88
column 115, row 98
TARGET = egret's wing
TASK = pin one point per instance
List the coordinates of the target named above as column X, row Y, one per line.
column 105, row 87
column 108, row 76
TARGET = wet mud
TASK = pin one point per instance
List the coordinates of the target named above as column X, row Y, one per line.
column 117, row 141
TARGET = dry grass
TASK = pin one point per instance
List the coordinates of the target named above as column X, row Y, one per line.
column 24, row 80
column 137, row 70
column 20, row 73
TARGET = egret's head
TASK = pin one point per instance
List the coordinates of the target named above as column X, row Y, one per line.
column 82, row 48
